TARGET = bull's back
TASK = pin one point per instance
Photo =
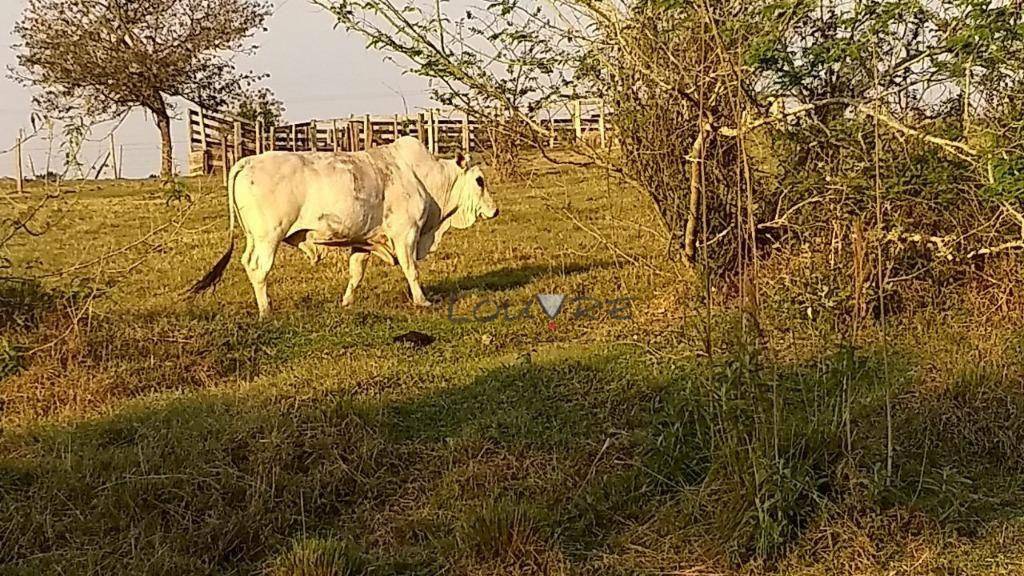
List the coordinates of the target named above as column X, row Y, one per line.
column 338, row 195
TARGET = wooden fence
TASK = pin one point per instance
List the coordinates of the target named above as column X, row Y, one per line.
column 218, row 140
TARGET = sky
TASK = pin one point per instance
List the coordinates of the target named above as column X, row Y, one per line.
column 316, row 70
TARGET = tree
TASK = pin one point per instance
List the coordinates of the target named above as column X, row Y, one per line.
column 259, row 105
column 501, row 62
column 101, row 58
column 725, row 108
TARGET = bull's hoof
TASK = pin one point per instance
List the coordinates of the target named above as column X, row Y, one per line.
column 346, row 302
column 423, row 304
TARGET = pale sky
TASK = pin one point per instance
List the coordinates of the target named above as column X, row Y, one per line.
column 318, row 71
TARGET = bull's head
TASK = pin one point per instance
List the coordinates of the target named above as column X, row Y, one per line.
column 470, row 191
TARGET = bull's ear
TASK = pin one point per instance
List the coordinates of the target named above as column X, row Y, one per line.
column 462, row 160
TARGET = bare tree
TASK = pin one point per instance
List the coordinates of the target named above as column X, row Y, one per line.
column 502, row 62
column 102, row 58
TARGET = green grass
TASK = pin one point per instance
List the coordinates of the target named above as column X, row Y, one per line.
column 147, row 434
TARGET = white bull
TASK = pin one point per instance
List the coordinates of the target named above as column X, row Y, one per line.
column 395, row 201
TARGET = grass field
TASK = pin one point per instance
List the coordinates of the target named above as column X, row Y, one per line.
column 147, row 434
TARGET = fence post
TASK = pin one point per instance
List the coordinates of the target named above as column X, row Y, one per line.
column 431, row 133
column 601, row 127
column 295, row 137
column 113, row 158
column 238, row 142
column 419, row 128
column 17, row 158
column 334, row 134
column 438, row 131
column 224, row 155
column 396, row 127
column 312, row 137
column 368, row 133
column 259, row 136
column 465, row 132
column 353, row 134
column 202, row 129
column 577, row 123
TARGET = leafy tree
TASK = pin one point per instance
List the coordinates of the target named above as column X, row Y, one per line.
column 102, row 58
column 699, row 89
column 259, row 105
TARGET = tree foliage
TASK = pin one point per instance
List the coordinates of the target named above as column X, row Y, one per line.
column 100, row 59
column 258, row 105
column 740, row 117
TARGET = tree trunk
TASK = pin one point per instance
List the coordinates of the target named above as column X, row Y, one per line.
column 163, row 123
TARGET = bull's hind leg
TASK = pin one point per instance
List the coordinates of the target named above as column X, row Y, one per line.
column 258, row 260
column 405, row 250
column 356, row 269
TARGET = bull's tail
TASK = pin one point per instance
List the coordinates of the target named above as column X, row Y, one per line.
column 213, row 277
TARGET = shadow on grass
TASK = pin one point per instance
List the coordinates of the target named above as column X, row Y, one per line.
column 531, row 467
column 109, row 358
column 24, row 303
column 511, row 278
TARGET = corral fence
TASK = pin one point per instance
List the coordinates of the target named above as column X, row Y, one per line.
column 218, row 140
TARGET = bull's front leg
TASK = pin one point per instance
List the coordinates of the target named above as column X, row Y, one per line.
column 406, row 252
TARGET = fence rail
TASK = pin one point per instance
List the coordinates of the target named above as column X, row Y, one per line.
column 218, row 140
